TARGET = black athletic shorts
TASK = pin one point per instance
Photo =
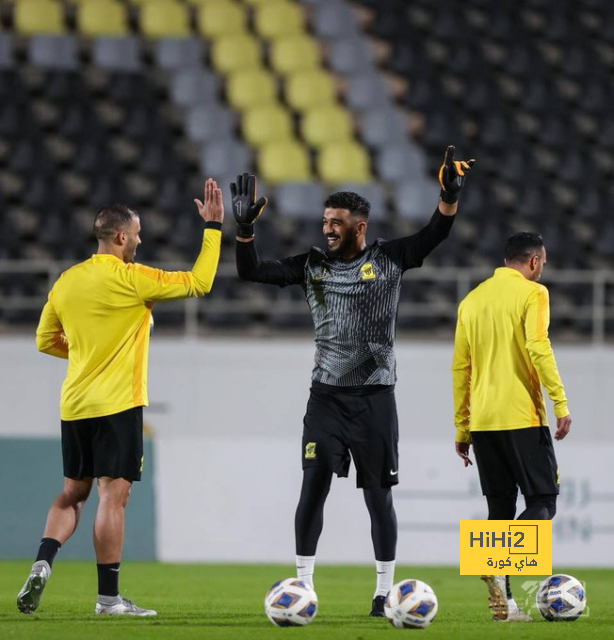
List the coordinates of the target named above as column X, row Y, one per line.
column 361, row 422
column 110, row 446
column 517, row 458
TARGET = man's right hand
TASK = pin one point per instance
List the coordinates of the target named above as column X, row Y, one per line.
column 245, row 207
column 212, row 209
column 563, row 425
column 462, row 450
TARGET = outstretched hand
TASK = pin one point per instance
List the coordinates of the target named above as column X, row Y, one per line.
column 452, row 175
column 212, row 209
column 245, row 207
column 462, row 450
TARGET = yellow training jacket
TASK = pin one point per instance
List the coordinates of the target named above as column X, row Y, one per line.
column 502, row 356
column 98, row 315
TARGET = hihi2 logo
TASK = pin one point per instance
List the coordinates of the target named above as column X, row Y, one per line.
column 505, row 546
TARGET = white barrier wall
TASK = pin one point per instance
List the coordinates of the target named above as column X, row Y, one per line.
column 227, row 417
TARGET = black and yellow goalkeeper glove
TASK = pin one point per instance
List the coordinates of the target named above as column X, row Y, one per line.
column 452, row 174
column 245, row 207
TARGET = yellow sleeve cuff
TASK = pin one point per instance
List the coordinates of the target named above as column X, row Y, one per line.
column 462, row 435
column 561, row 410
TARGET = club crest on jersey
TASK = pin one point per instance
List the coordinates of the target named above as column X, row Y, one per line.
column 310, row 451
column 367, row 271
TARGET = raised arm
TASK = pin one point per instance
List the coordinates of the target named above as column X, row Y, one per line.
column 247, row 210
column 50, row 338
column 156, row 284
column 411, row 251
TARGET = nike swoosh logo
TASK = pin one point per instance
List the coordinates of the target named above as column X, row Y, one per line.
column 381, row 573
column 393, row 473
column 301, row 567
column 117, row 570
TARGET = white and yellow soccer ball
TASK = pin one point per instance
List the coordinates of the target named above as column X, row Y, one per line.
column 561, row 598
column 411, row 604
column 291, row 603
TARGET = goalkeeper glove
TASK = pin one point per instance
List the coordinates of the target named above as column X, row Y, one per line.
column 245, row 207
column 452, row 174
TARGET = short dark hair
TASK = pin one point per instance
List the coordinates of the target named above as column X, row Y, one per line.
column 522, row 246
column 355, row 204
column 112, row 219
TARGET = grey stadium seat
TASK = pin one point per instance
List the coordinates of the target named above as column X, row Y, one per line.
column 205, row 123
column 350, row 55
column 117, row 54
column 224, row 157
column 366, row 91
column 417, row 199
column 53, row 52
column 396, row 162
column 333, row 20
column 300, row 199
column 383, row 126
column 194, row 86
column 6, row 51
column 178, row 53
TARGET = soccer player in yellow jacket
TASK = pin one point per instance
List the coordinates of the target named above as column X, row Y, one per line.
column 502, row 357
column 98, row 317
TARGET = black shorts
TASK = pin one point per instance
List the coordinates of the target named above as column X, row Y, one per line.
column 358, row 421
column 110, row 446
column 517, row 458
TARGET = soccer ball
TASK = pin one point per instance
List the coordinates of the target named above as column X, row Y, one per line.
column 561, row 597
column 291, row 603
column 411, row 604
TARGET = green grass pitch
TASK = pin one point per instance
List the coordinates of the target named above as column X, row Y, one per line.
column 225, row 601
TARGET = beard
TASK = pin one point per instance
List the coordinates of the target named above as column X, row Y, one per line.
column 346, row 243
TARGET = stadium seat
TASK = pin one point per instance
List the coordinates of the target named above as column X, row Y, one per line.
column 416, row 199
column 102, row 18
column 268, row 123
column 286, row 161
column 53, row 52
column 194, row 86
column 366, row 91
column 221, row 18
column 209, row 122
column 251, row 88
column 334, row 20
column 343, row 162
column 38, row 16
column 396, row 162
column 116, row 53
column 383, row 126
column 278, row 19
column 178, row 53
column 309, row 89
column 224, row 157
column 294, row 53
column 164, row 19
column 6, row 51
column 350, row 55
column 324, row 125
column 238, row 52
column 299, row 200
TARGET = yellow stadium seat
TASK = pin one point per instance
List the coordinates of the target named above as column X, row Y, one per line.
column 343, row 162
column 284, row 162
column 38, row 16
column 221, row 18
column 164, row 19
column 309, row 89
column 102, row 18
column 251, row 88
column 269, row 123
column 238, row 52
column 278, row 19
column 295, row 53
column 327, row 124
